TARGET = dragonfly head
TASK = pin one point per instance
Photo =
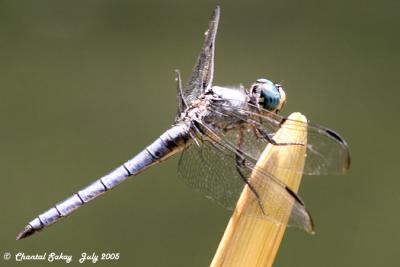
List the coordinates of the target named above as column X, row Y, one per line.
column 269, row 95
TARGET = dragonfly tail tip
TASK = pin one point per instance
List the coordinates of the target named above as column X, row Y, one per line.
column 28, row 230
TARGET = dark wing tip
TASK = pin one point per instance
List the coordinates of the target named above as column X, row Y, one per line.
column 294, row 195
column 28, row 230
column 309, row 226
column 337, row 137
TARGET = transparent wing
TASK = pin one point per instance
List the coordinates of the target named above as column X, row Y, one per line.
column 327, row 152
column 182, row 105
column 203, row 71
column 212, row 169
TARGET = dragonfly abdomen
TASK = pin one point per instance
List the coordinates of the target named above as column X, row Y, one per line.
column 172, row 141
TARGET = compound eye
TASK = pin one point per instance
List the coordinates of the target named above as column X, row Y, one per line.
column 270, row 95
column 263, row 80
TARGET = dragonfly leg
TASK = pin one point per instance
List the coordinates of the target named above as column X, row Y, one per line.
column 270, row 138
column 259, row 132
column 241, row 162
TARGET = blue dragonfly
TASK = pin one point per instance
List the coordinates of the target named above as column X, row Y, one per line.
column 221, row 132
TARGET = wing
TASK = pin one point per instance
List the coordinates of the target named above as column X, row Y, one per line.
column 212, row 169
column 182, row 105
column 203, row 71
column 327, row 152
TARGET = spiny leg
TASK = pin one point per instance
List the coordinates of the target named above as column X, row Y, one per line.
column 240, row 162
column 259, row 132
column 270, row 139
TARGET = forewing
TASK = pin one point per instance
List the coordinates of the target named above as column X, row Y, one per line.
column 327, row 152
column 211, row 169
column 203, row 70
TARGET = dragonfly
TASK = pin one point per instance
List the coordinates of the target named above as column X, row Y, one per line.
column 221, row 132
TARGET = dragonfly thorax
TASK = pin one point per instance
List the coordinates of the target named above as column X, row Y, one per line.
column 217, row 102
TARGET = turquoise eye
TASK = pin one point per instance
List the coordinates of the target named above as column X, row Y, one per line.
column 270, row 94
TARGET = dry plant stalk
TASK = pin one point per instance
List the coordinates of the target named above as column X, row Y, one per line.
column 249, row 241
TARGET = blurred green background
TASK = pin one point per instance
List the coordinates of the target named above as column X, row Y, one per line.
column 84, row 85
